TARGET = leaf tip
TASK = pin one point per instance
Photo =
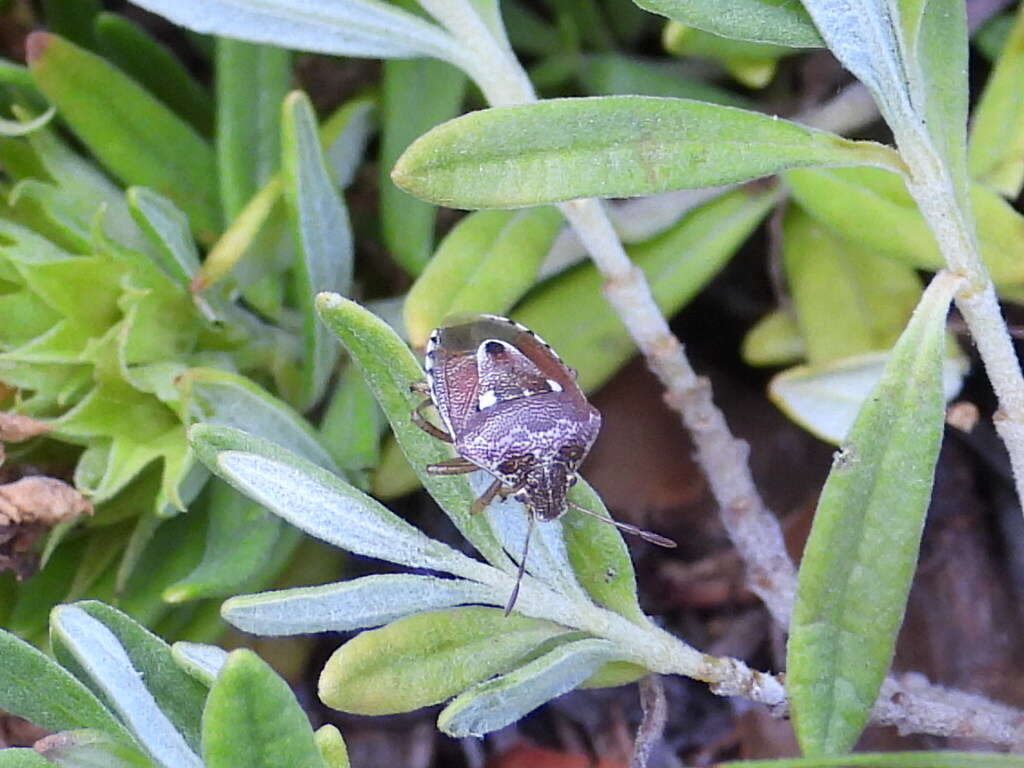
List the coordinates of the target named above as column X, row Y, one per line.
column 35, row 46
column 328, row 301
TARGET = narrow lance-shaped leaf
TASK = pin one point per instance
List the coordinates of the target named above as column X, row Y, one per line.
column 200, row 660
column 136, row 137
column 859, row 560
column 156, row 67
column 427, row 658
column 762, row 21
column 390, row 369
column 352, row 427
column 499, row 702
column 322, row 233
column 105, row 661
column 175, row 693
column 366, row 28
column 611, row 146
column 252, row 81
column 27, row 757
column 874, row 210
column 221, row 397
column 416, row 95
column 167, row 228
column 996, row 147
column 240, row 541
column 912, row 56
column 253, row 720
column 318, row 502
column 485, row 264
column 34, row 687
column 847, row 300
column 355, row 604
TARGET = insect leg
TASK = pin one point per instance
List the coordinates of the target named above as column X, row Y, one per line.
column 420, row 388
column 522, row 568
column 456, row 466
column 421, row 421
column 486, row 498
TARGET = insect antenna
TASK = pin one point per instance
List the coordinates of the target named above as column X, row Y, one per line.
column 650, row 536
column 522, row 568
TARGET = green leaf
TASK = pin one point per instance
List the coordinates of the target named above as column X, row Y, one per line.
column 991, row 36
column 427, row 658
column 252, row 719
column 136, row 137
column 752, row 64
column 200, row 660
column 89, row 189
column 847, row 300
column 177, row 544
column 16, row 128
column 859, row 560
column 156, row 68
column 27, row 757
column 485, row 264
column 369, row 601
column 362, row 28
column 774, row 340
column 912, row 56
column 609, row 74
column 599, row 556
column 167, row 229
column 765, row 21
column 995, row 151
column 824, row 399
column 889, row 760
column 176, row 694
column 74, row 21
column 416, row 95
column 90, row 749
column 322, row 233
column 390, row 369
column 499, row 702
column 231, row 400
column 95, row 650
column 677, row 264
column 34, row 687
column 332, row 747
column 874, row 210
column 611, row 146
column 351, row 429
column 252, row 81
column 240, row 539
column 318, row 502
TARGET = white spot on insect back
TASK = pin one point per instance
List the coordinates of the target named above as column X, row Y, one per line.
column 487, row 399
column 555, row 386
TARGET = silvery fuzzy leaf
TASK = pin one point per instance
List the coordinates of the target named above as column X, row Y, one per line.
column 321, row 504
column 201, row 660
column 503, row 700
column 357, row 604
column 105, row 660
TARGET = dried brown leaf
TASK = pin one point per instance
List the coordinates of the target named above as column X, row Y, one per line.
column 28, row 509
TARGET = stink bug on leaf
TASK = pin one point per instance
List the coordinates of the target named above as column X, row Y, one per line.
column 511, row 407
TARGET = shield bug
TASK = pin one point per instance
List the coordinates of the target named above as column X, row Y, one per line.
column 511, row 407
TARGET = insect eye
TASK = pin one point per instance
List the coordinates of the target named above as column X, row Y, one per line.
column 571, row 453
column 573, row 479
